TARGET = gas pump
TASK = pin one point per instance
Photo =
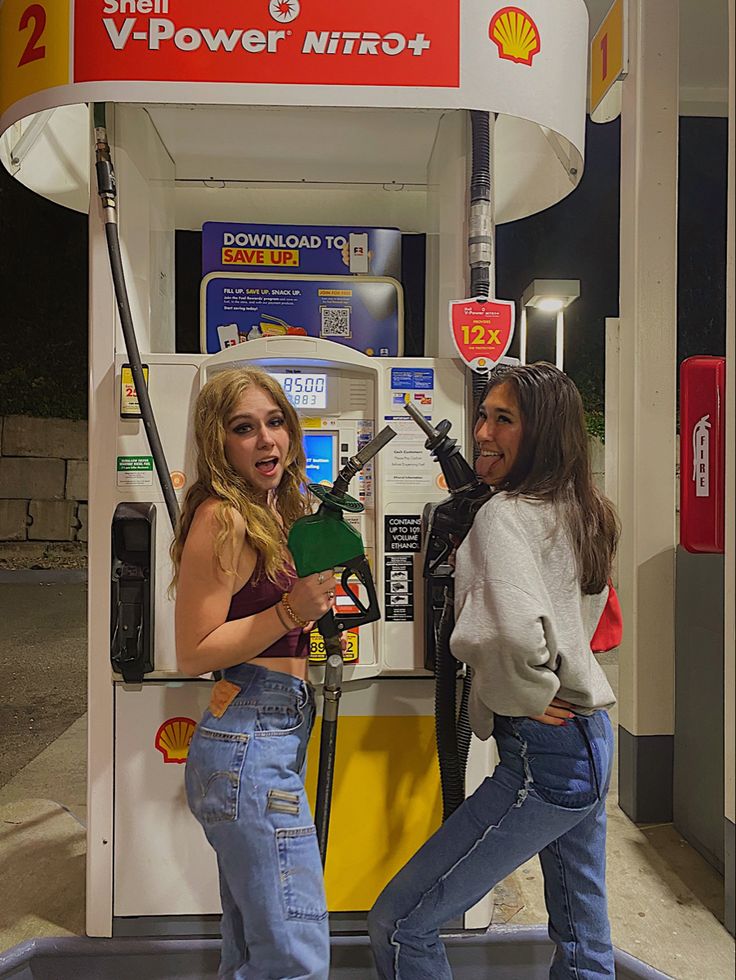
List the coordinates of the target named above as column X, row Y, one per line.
column 269, row 116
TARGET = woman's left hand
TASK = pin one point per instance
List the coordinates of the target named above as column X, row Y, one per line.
column 556, row 713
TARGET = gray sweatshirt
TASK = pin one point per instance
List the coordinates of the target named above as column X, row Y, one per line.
column 521, row 621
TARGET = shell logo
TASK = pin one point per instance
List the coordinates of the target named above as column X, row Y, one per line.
column 173, row 738
column 515, row 35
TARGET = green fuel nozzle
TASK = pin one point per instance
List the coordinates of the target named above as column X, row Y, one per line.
column 325, row 540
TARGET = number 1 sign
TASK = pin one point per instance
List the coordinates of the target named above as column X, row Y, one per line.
column 482, row 330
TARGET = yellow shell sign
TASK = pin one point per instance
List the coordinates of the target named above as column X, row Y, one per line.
column 515, row 35
column 173, row 738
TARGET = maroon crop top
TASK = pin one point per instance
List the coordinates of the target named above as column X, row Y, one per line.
column 255, row 596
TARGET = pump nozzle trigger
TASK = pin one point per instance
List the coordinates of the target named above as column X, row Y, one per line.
column 360, row 568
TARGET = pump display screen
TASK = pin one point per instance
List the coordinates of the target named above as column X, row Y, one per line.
column 320, row 449
column 304, row 390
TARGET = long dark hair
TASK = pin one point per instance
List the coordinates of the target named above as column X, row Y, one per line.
column 553, row 463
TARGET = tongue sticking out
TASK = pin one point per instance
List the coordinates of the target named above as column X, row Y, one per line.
column 484, row 465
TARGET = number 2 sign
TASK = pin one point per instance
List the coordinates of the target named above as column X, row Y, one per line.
column 34, row 48
column 34, row 17
column 482, row 330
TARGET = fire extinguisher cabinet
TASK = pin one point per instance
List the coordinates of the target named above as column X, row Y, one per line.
column 702, row 453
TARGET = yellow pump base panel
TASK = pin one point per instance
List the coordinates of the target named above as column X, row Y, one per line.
column 386, row 797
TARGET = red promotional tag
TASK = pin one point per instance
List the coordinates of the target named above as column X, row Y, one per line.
column 482, row 330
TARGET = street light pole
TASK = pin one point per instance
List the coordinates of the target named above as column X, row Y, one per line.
column 522, row 336
column 560, row 339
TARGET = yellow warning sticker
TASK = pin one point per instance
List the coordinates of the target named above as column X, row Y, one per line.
column 129, row 407
column 317, row 654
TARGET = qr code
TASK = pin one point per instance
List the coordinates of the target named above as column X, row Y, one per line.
column 335, row 321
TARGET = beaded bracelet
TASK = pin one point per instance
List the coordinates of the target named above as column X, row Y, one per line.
column 301, row 623
column 281, row 613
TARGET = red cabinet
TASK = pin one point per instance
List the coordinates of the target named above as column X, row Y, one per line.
column 702, row 453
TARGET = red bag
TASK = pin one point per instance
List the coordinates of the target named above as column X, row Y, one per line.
column 610, row 626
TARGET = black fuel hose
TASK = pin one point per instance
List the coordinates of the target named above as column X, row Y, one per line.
column 327, row 747
column 452, row 782
column 480, row 239
column 464, row 731
column 452, row 726
column 107, row 190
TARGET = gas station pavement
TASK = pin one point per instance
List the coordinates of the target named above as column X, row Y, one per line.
column 664, row 898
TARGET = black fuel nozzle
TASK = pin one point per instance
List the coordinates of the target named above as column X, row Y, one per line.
column 451, row 519
column 458, row 473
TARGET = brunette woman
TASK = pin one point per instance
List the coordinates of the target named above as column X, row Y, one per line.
column 530, row 586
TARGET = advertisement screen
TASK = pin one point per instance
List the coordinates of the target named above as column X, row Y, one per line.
column 321, row 452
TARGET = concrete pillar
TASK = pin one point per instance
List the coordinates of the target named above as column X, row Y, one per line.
column 647, row 344
column 729, row 653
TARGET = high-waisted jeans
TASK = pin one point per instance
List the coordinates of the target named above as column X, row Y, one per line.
column 547, row 795
column 245, row 785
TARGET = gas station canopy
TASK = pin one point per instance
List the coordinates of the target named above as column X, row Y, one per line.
column 251, row 87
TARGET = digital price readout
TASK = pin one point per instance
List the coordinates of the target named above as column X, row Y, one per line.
column 304, row 390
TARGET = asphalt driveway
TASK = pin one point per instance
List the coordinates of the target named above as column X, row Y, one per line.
column 43, row 664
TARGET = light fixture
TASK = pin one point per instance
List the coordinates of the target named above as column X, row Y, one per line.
column 550, row 304
column 548, row 296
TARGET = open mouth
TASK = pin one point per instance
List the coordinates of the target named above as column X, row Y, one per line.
column 267, row 466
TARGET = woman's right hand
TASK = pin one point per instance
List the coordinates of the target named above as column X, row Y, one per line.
column 556, row 713
column 314, row 595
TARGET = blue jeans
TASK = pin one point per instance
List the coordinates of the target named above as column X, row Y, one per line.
column 547, row 795
column 245, row 785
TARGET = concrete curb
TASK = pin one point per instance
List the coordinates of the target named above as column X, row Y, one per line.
column 513, row 953
column 31, row 576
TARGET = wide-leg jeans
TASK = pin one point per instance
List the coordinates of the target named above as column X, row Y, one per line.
column 547, row 796
column 245, row 785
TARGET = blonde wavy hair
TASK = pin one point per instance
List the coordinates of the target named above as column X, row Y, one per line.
column 216, row 403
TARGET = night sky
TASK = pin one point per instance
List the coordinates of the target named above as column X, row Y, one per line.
column 43, row 274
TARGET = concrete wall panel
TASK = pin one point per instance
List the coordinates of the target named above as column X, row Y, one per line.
column 52, row 520
column 23, row 478
column 25, row 436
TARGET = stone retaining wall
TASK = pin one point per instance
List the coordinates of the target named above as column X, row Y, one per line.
column 43, row 479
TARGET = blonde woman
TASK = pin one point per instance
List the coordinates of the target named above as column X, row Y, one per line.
column 241, row 610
